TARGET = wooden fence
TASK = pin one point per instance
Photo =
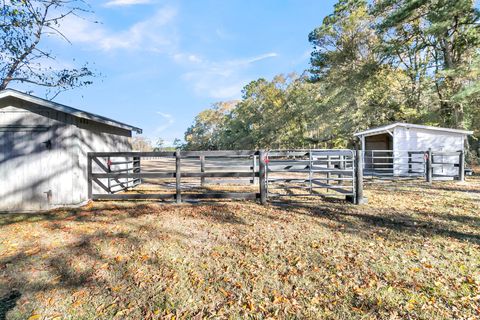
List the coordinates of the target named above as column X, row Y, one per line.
column 177, row 174
column 267, row 174
column 341, row 173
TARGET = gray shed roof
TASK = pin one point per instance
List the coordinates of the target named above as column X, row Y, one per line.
column 66, row 109
column 387, row 128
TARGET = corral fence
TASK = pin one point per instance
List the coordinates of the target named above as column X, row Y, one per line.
column 258, row 174
column 184, row 175
column 171, row 173
column 414, row 164
column 311, row 173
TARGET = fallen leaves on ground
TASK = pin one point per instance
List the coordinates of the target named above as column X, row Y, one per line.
column 412, row 252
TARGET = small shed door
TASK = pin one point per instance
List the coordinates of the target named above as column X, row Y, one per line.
column 24, row 163
column 378, row 152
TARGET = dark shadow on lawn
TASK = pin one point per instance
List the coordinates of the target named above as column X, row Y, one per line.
column 435, row 186
column 363, row 223
column 8, row 302
column 455, row 188
column 222, row 213
column 60, row 264
column 473, row 222
column 53, row 215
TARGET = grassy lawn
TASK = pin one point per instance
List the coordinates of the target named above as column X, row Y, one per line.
column 412, row 252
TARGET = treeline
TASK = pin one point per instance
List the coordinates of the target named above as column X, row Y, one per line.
column 372, row 64
column 144, row 144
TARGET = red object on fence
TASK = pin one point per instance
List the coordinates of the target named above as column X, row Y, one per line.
column 109, row 163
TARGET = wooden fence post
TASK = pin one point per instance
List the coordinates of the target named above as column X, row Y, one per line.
column 262, row 177
column 428, row 167
column 359, row 199
column 329, row 166
column 89, row 176
column 410, row 168
column 310, row 171
column 202, row 169
column 178, row 174
column 341, row 166
column 254, row 168
column 137, row 169
column 461, row 166
column 109, row 182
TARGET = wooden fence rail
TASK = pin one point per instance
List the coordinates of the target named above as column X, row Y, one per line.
column 135, row 173
column 274, row 173
column 328, row 169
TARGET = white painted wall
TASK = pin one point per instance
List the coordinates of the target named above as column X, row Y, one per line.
column 421, row 140
column 29, row 170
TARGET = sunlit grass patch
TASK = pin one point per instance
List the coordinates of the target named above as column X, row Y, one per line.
column 413, row 251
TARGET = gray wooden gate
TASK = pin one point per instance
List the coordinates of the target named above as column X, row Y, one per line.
column 318, row 172
column 114, row 175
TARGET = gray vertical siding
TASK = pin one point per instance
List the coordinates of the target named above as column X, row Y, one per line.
column 38, row 176
column 25, row 167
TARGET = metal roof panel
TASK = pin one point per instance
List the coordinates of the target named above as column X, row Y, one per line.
column 66, row 109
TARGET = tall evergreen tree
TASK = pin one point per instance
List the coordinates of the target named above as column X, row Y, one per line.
column 449, row 37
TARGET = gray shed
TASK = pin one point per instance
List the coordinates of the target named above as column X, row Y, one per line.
column 43, row 151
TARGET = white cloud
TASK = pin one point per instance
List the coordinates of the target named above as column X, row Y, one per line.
column 219, row 79
column 181, row 58
column 168, row 121
column 123, row 3
column 153, row 34
column 262, row 57
column 167, row 116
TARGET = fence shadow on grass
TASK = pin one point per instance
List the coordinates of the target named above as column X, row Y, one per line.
column 52, row 215
column 58, row 265
column 473, row 222
column 405, row 187
column 454, row 188
column 363, row 223
column 219, row 212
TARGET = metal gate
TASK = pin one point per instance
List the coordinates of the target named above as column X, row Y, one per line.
column 388, row 164
column 413, row 164
column 318, row 172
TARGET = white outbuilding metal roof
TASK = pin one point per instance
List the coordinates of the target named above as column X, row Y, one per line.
column 66, row 109
column 389, row 127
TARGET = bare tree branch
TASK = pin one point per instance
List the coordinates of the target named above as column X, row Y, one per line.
column 23, row 26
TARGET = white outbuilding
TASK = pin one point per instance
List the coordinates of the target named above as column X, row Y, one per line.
column 43, row 151
column 399, row 148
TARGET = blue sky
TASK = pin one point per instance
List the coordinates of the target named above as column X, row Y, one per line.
column 162, row 62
